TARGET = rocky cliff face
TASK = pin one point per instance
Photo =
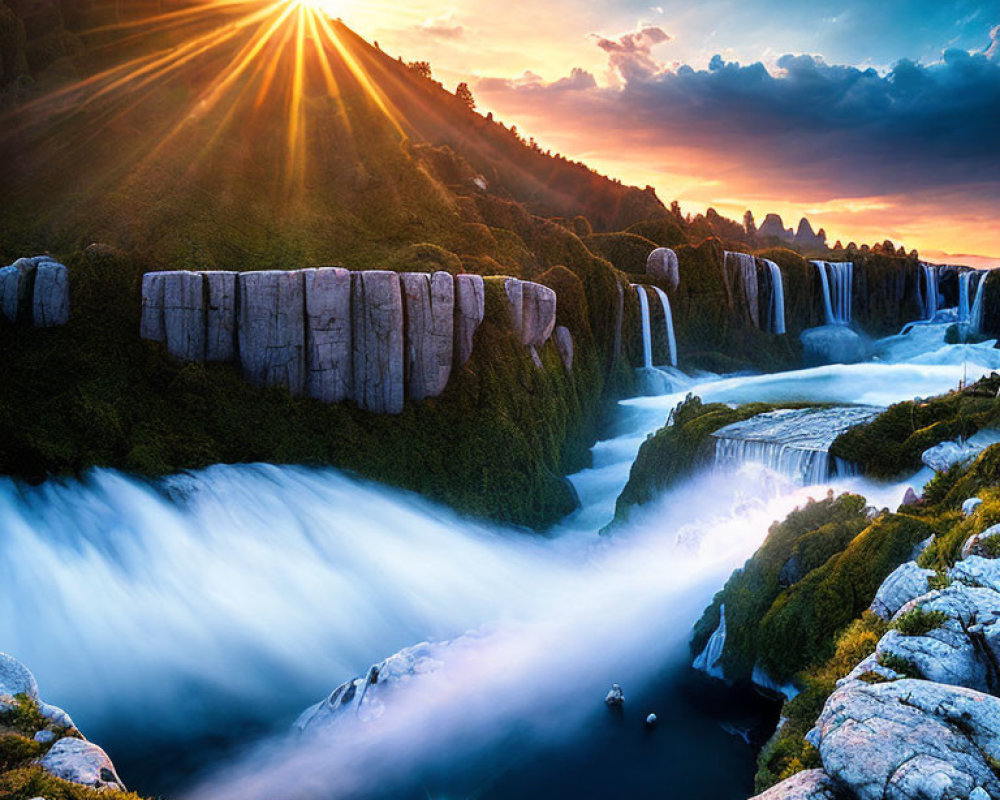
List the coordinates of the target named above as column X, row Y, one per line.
column 373, row 336
column 35, row 291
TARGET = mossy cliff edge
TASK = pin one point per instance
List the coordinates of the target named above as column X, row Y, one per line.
column 798, row 611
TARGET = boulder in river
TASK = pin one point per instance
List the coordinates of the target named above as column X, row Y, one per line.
column 832, row 344
column 83, row 762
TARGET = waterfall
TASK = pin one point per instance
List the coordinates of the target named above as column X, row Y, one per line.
column 746, row 270
column 976, row 315
column 709, row 658
column 777, row 298
column 647, row 335
column 964, row 309
column 791, row 442
column 669, row 320
column 837, row 278
column 930, row 293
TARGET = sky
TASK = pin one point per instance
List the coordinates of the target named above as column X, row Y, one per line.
column 874, row 120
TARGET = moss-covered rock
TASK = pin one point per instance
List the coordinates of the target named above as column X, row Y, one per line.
column 894, row 441
column 676, row 450
column 497, row 443
column 627, row 251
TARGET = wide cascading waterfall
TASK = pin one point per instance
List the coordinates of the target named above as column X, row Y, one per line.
column 777, row 298
column 837, row 278
column 792, row 442
column 742, row 269
column 669, row 322
column 930, row 290
column 646, row 330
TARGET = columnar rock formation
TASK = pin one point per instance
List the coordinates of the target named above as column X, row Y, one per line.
column 35, row 291
column 375, row 337
column 377, row 314
column 470, row 308
column 532, row 312
column 329, row 353
column 741, row 272
column 270, row 321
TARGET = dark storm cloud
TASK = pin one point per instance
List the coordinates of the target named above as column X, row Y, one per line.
column 917, row 127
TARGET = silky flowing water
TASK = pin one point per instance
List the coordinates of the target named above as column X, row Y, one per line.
column 185, row 623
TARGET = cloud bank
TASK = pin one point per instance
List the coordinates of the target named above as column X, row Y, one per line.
column 804, row 128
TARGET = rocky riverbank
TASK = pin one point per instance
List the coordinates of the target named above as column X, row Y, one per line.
column 878, row 627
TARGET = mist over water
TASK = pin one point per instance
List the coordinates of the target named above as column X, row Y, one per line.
column 209, row 609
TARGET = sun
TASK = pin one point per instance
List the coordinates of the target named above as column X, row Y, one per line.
column 331, row 8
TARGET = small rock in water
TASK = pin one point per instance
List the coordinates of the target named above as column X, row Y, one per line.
column 650, row 720
column 616, row 697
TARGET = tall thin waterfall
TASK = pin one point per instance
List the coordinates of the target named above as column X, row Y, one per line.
column 777, row 298
column 837, row 278
column 647, row 334
column 964, row 308
column 930, row 293
column 976, row 315
column 709, row 658
column 669, row 320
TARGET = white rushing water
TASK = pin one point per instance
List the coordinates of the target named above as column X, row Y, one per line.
column 645, row 327
column 777, row 298
column 669, row 324
column 976, row 313
column 792, row 442
column 837, row 279
column 164, row 606
column 929, row 290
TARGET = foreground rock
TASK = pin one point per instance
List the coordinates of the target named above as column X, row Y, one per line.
column 662, row 263
column 910, row 739
column 377, row 315
column 271, row 324
column 430, row 338
column 813, row 784
column 66, row 754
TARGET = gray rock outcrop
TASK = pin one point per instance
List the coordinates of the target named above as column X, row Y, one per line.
column 906, row 582
column 910, row 739
column 51, row 295
column 538, row 313
column 220, row 316
column 532, row 311
column 832, row 344
column 470, row 308
column 377, row 314
column 430, row 338
column 979, row 543
column 35, row 290
column 151, row 320
column 813, row 784
column 564, row 343
column 329, row 352
column 70, row 757
column 662, row 263
column 83, row 762
column 184, row 315
column 271, row 329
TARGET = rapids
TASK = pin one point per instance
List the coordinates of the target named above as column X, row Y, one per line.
column 185, row 623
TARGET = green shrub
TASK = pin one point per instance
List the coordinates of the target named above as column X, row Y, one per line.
column 918, row 622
